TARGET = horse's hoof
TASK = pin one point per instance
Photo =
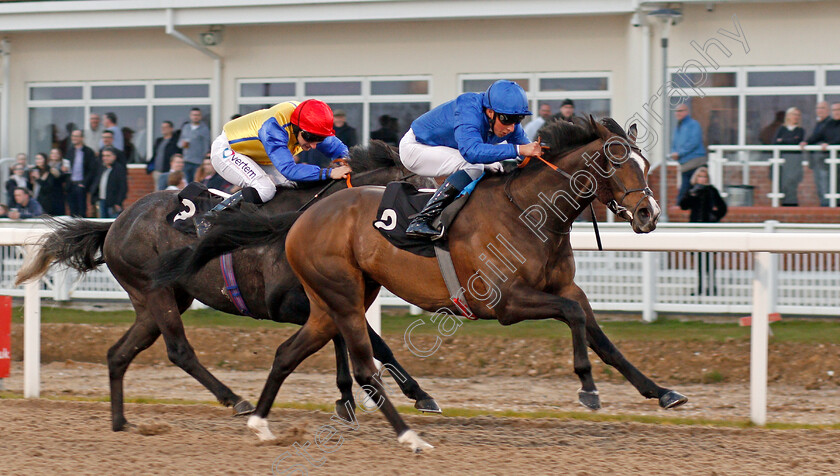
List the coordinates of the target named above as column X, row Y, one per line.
column 428, row 405
column 590, row 400
column 260, row 428
column 344, row 409
column 416, row 443
column 243, row 408
column 672, row 399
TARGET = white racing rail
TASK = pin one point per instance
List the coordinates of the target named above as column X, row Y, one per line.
column 764, row 248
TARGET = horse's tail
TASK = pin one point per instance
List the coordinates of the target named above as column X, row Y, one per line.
column 230, row 231
column 75, row 243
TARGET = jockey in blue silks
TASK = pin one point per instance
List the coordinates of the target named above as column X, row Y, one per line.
column 462, row 139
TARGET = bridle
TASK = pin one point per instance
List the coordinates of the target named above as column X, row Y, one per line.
column 612, row 204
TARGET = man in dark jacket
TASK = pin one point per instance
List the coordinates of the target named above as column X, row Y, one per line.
column 25, row 206
column 816, row 160
column 165, row 147
column 111, row 185
column 83, row 171
column 829, row 134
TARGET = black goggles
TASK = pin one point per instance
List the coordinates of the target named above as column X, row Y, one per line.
column 310, row 137
column 510, row 119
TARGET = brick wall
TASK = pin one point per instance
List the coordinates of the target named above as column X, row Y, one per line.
column 139, row 183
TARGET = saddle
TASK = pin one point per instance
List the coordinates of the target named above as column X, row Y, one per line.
column 193, row 202
column 399, row 204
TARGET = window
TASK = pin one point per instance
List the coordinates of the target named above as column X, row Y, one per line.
column 735, row 105
column 56, row 109
column 590, row 92
column 366, row 101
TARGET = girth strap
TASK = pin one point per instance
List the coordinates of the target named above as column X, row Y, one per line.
column 226, row 262
column 457, row 294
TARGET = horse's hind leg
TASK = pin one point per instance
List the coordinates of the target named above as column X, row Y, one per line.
column 343, row 379
column 317, row 331
column 409, row 387
column 138, row 338
column 165, row 309
column 607, row 352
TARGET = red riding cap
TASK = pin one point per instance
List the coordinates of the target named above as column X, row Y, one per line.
column 315, row 117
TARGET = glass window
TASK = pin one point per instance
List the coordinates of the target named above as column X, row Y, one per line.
column 130, row 120
column 573, row 84
column 55, row 92
column 712, row 80
column 763, row 113
column 832, row 78
column 597, row 107
column 780, row 78
column 182, row 90
column 396, row 117
column 50, row 127
column 354, row 113
column 481, row 85
column 333, row 88
column 832, row 98
column 267, row 89
column 246, row 108
column 718, row 118
column 118, row 92
column 399, row 87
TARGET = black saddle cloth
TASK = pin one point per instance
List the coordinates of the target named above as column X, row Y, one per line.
column 399, row 204
column 193, row 202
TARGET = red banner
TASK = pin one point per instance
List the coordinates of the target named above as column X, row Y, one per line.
column 5, row 335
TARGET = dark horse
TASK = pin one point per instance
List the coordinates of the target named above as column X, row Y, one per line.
column 510, row 247
column 270, row 289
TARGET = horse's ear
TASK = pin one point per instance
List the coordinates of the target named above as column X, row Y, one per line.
column 599, row 128
column 632, row 132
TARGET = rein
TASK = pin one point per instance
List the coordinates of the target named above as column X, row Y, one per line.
column 349, row 185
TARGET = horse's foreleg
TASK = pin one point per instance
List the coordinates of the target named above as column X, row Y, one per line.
column 610, row 355
column 303, row 343
column 343, row 378
column 166, row 312
column 410, row 388
column 524, row 303
column 138, row 338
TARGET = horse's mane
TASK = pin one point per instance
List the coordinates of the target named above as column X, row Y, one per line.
column 374, row 155
column 563, row 136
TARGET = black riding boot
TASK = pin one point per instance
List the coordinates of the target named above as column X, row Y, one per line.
column 421, row 225
column 249, row 194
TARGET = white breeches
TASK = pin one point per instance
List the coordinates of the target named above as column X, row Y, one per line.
column 242, row 171
column 438, row 161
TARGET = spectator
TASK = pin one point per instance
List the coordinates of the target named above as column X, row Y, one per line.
column 93, row 133
column 816, row 160
column 176, row 163
column 53, row 184
column 4, row 211
column 343, row 131
column 791, row 133
column 830, row 132
column 18, row 179
column 111, row 125
column 140, row 140
column 387, row 131
column 706, row 206
column 195, row 142
column 687, row 147
column 21, row 159
column 545, row 115
column 39, row 169
column 175, row 180
column 24, row 205
column 208, row 176
column 111, row 185
column 108, row 142
column 567, row 110
column 83, row 170
column 130, row 151
column 165, row 147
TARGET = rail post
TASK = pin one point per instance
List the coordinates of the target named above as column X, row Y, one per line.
column 31, row 337
column 649, row 263
column 759, row 337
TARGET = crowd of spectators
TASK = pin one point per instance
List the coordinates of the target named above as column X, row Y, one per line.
column 88, row 175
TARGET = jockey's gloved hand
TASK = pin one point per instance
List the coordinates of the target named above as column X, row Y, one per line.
column 510, row 165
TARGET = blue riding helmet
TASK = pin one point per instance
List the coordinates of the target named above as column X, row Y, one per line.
column 506, row 97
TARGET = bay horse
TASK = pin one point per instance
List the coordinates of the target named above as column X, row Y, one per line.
column 342, row 260
column 270, row 289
